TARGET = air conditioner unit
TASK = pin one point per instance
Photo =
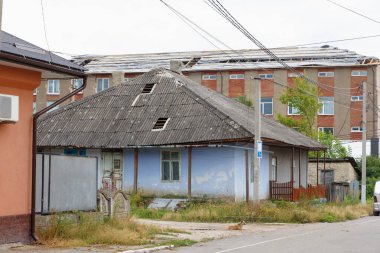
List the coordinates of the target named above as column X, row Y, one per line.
column 9, row 108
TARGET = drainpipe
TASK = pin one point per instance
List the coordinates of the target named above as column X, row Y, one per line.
column 34, row 152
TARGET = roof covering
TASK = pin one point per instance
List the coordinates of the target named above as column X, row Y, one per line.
column 297, row 57
column 22, row 49
column 116, row 118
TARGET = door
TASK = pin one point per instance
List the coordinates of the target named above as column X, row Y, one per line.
column 112, row 170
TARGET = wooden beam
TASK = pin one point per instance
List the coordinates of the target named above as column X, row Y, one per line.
column 246, row 174
column 324, row 167
column 317, row 167
column 299, row 168
column 189, row 158
column 136, row 169
column 292, row 173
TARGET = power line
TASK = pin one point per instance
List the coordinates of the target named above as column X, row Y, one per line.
column 338, row 40
column 357, row 13
column 44, row 26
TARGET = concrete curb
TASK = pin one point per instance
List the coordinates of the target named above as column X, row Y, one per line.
column 148, row 250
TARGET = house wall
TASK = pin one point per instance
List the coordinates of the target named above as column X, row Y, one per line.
column 343, row 171
column 16, row 155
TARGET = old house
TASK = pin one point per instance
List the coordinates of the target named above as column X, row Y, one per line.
column 22, row 67
column 163, row 133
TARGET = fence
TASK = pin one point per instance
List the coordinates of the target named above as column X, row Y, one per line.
column 281, row 191
column 310, row 192
column 66, row 183
column 338, row 192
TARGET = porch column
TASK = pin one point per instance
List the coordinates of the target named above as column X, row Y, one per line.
column 189, row 157
column 299, row 168
column 136, row 169
column 324, row 167
column 246, row 174
column 292, row 175
column 317, row 167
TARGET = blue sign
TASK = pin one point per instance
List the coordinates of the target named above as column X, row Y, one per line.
column 259, row 149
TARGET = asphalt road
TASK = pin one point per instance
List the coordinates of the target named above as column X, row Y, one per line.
column 358, row 236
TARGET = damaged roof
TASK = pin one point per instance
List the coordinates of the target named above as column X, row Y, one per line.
column 126, row 115
column 15, row 49
column 297, row 57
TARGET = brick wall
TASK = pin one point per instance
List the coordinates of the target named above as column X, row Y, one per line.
column 15, row 228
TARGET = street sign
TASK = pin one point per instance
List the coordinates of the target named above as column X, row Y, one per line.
column 259, row 149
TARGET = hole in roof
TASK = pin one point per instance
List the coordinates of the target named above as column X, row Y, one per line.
column 160, row 124
column 30, row 48
column 148, row 88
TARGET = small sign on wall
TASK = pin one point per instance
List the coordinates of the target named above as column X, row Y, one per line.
column 259, row 149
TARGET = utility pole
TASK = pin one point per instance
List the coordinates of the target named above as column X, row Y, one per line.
column 258, row 145
column 1, row 17
column 364, row 144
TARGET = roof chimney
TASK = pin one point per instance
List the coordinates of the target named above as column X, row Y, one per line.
column 176, row 66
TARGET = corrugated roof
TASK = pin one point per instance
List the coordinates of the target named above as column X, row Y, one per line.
column 13, row 45
column 197, row 115
column 325, row 56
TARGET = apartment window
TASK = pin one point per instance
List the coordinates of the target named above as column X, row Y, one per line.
column 267, row 106
column 77, row 83
column 293, row 110
column 50, row 103
column 103, row 84
column 160, row 124
column 356, row 129
column 237, row 76
column 326, row 130
column 327, row 106
column 34, row 107
column 266, row 76
column 35, row 92
column 170, row 165
column 325, row 74
column 273, row 171
column 292, row 75
column 53, row 87
column 356, row 98
column 359, row 73
column 209, row 77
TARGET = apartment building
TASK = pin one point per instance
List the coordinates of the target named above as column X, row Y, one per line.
column 339, row 72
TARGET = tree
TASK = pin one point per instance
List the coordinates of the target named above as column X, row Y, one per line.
column 303, row 98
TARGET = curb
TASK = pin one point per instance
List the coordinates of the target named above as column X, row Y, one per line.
column 148, row 250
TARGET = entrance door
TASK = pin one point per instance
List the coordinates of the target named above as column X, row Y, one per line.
column 112, row 170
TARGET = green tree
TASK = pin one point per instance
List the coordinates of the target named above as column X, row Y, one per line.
column 303, row 97
column 244, row 100
column 373, row 173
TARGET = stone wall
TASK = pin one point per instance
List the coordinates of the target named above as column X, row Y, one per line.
column 343, row 172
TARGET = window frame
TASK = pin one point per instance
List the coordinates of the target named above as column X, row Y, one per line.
column 48, row 103
column 273, row 167
column 321, row 129
column 102, row 79
column 359, row 98
column 360, row 129
column 262, row 106
column 289, row 107
column 179, row 160
column 237, row 76
column 321, row 111
column 359, row 73
column 326, row 74
column 74, row 83
column 207, row 77
column 56, row 84
column 265, row 76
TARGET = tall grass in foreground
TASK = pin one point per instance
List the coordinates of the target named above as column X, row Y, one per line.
column 90, row 230
column 277, row 211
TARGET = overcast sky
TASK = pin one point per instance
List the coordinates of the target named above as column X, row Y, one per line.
column 143, row 26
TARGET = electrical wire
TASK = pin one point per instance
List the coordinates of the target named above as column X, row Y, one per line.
column 44, row 26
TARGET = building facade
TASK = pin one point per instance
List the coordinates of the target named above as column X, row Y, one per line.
column 339, row 73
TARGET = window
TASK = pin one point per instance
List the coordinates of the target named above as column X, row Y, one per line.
column 356, row 98
column 34, row 107
column 50, row 103
column 327, row 106
column 103, row 84
column 237, row 76
column 209, row 77
column 266, row 76
column 293, row 110
column 75, row 151
column 325, row 74
column 326, row 130
column 170, row 165
column 356, row 129
column 292, row 75
column 77, row 83
column 160, row 124
column 359, row 73
column 35, row 92
column 273, row 171
column 53, row 87
column 148, row 88
column 267, row 106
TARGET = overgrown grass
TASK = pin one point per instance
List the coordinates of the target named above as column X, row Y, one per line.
column 90, row 230
column 276, row 211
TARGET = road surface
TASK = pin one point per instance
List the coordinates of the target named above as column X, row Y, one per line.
column 358, row 236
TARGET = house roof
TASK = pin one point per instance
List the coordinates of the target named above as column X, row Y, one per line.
column 297, row 57
column 349, row 159
column 115, row 118
column 17, row 50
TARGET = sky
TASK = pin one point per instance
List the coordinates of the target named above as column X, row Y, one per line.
column 146, row 26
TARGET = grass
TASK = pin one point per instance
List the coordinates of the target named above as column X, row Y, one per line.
column 276, row 211
column 89, row 230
